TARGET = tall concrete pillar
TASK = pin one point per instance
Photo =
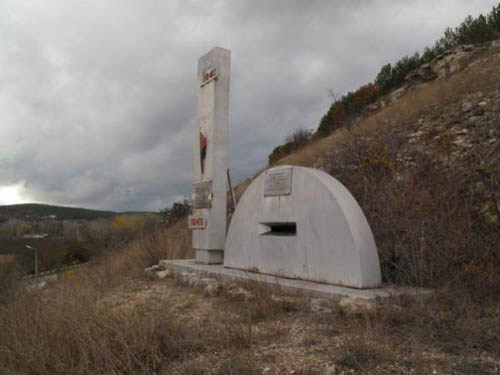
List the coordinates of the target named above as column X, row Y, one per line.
column 208, row 220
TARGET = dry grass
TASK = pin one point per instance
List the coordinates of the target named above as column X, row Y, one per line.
column 122, row 323
column 10, row 274
column 359, row 352
column 71, row 330
column 76, row 328
column 261, row 302
column 172, row 242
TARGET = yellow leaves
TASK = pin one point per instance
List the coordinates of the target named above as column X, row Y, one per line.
column 68, row 274
column 125, row 221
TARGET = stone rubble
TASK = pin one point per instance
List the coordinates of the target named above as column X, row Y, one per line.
column 157, row 272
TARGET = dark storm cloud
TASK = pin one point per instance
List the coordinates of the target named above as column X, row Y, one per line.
column 97, row 98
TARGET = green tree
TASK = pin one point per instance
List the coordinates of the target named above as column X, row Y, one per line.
column 178, row 210
column 494, row 19
column 384, row 78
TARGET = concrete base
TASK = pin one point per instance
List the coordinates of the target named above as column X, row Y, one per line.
column 209, row 256
column 313, row 289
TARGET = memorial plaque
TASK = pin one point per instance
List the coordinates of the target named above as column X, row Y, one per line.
column 202, row 194
column 278, row 182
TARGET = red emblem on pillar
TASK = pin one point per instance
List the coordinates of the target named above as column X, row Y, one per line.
column 203, row 151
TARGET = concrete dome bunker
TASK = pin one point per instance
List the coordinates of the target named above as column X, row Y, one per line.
column 301, row 223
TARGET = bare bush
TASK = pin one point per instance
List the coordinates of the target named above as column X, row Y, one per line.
column 427, row 221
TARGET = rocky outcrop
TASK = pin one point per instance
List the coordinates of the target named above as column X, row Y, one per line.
column 444, row 65
column 423, row 74
column 465, row 128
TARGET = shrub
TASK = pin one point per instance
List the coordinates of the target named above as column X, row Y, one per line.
column 430, row 226
column 295, row 141
column 347, row 107
column 75, row 251
column 178, row 210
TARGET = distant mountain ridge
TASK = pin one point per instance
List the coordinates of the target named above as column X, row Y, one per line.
column 40, row 211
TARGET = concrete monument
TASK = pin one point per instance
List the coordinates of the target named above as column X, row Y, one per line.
column 208, row 220
column 302, row 223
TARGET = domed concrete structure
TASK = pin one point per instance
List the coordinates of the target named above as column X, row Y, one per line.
column 301, row 223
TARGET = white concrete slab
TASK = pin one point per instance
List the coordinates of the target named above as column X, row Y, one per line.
column 310, row 288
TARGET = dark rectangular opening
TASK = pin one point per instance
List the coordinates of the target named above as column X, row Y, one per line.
column 279, row 229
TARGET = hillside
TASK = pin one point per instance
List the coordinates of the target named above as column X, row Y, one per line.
column 423, row 162
column 39, row 211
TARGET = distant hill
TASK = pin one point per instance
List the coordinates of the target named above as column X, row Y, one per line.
column 35, row 210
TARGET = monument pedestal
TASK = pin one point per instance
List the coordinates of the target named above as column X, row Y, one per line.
column 209, row 256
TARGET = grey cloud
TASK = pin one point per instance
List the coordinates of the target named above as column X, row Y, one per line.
column 97, row 99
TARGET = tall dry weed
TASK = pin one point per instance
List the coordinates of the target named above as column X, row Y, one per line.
column 77, row 328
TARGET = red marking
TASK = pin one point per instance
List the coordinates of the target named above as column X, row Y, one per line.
column 203, row 151
column 197, row 222
column 208, row 75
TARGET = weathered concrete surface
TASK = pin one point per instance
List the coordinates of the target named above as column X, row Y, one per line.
column 308, row 288
column 210, row 151
column 333, row 242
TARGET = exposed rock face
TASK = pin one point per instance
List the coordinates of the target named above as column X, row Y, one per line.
column 443, row 65
column 422, row 74
column 451, row 61
column 469, row 126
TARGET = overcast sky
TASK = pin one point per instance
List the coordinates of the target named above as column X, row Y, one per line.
column 97, row 97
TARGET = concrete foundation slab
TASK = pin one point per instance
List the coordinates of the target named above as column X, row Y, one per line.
column 313, row 289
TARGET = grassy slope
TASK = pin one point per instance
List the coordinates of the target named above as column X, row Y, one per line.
column 482, row 76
